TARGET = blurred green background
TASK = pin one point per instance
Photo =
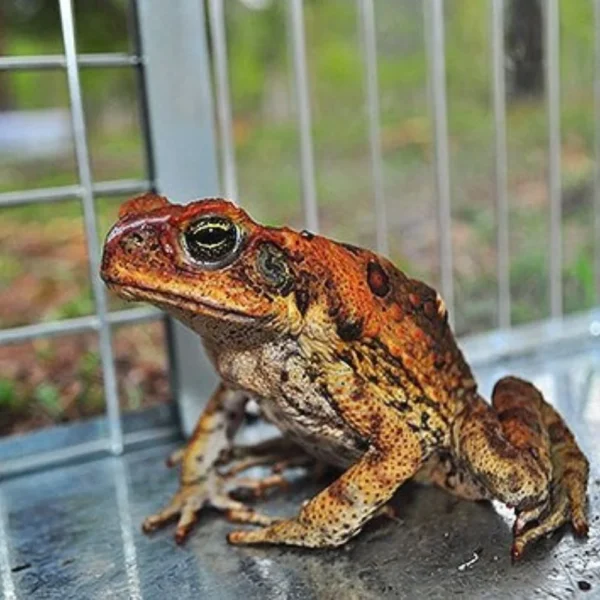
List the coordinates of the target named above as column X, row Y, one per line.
column 43, row 268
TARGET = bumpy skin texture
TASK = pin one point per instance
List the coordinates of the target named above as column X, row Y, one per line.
column 356, row 364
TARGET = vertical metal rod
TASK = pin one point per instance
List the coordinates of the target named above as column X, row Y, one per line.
column 91, row 230
column 434, row 32
column 129, row 551
column 502, row 214
column 597, row 145
column 307, row 159
column 144, row 115
column 366, row 15
column 7, row 590
column 552, row 49
column 224, row 112
column 184, row 155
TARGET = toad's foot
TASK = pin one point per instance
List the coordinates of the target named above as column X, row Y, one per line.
column 214, row 491
column 538, row 522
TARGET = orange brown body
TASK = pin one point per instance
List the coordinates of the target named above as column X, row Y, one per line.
column 356, row 364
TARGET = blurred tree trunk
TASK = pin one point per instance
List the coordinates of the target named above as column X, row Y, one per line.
column 4, row 78
column 525, row 48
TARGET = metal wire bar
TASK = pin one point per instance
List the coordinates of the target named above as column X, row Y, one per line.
column 89, row 449
column 8, row 585
column 140, row 72
column 26, row 333
column 89, row 218
column 59, row 61
column 434, row 32
column 120, row 187
column 307, row 159
column 597, row 146
column 552, row 49
column 223, row 104
column 366, row 15
column 500, row 163
column 124, row 507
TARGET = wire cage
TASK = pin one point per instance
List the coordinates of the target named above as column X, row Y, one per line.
column 188, row 133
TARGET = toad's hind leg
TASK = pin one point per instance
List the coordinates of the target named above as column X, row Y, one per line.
column 444, row 471
column 516, row 401
column 526, row 456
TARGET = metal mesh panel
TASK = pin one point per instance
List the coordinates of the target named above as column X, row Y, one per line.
column 85, row 191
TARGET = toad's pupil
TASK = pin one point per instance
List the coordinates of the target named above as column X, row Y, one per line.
column 212, row 236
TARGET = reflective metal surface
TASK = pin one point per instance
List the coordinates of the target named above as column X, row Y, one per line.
column 74, row 532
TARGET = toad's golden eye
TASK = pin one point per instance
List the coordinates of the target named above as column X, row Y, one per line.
column 212, row 241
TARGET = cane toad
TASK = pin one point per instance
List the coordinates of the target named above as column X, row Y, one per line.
column 354, row 362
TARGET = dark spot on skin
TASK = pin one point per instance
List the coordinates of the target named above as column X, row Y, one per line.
column 402, row 406
column 324, row 391
column 302, row 410
column 556, row 432
column 307, row 235
column 393, row 378
column 425, row 420
column 413, row 427
column 350, row 330
column 352, row 249
column 302, row 300
column 430, row 310
column 374, row 457
column 346, row 357
column 377, row 279
column 285, row 376
column 513, row 482
column 333, row 311
column 523, row 415
column 357, row 394
column 498, row 442
column 375, row 422
column 571, row 472
column 338, row 493
column 449, row 483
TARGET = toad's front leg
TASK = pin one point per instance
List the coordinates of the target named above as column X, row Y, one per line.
column 340, row 510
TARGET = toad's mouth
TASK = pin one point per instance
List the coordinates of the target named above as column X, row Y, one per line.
column 178, row 304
